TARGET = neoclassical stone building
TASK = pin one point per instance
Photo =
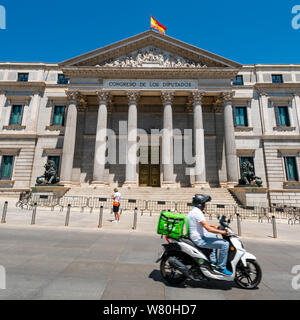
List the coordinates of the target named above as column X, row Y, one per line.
column 96, row 114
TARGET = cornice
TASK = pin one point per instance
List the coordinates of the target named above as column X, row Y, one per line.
column 149, row 73
column 20, row 84
column 260, row 86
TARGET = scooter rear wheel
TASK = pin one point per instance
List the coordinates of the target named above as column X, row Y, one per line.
column 170, row 274
column 248, row 277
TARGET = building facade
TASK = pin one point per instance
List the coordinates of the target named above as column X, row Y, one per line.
column 151, row 111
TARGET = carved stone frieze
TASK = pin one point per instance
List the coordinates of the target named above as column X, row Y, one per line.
column 149, row 57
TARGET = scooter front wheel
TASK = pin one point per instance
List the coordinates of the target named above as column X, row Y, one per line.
column 248, row 277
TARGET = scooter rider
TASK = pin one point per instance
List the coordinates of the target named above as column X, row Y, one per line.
column 199, row 229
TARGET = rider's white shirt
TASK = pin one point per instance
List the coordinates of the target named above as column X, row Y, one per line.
column 196, row 231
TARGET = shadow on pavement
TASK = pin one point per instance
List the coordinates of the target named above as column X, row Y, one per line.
column 204, row 284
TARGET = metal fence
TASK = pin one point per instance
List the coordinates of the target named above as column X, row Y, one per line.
column 292, row 214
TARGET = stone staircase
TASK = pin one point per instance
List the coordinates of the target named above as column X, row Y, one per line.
column 219, row 195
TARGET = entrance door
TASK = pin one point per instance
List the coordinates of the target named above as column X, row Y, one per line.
column 149, row 173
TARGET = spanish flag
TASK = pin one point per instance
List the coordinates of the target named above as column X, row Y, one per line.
column 158, row 26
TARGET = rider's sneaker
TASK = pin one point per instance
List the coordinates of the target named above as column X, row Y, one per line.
column 213, row 263
column 224, row 271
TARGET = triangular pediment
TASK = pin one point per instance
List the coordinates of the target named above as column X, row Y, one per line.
column 147, row 50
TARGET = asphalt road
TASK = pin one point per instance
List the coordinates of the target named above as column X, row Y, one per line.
column 72, row 263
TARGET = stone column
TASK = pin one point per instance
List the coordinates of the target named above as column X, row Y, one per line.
column 220, row 143
column 199, row 145
column 131, row 163
column 101, row 135
column 70, row 138
column 167, row 140
column 230, row 147
column 296, row 98
column 2, row 103
column 263, row 100
column 34, row 112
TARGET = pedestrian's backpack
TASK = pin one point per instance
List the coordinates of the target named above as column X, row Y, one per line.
column 172, row 225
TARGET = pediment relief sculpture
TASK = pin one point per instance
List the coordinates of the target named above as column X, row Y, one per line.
column 151, row 57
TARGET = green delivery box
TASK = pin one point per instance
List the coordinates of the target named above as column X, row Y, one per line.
column 172, row 225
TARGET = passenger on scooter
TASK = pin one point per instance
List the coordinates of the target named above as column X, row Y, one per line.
column 199, row 230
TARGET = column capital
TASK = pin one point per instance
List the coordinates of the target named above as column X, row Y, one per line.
column 133, row 97
column 72, row 96
column 104, row 96
column 263, row 94
column 37, row 92
column 197, row 96
column 218, row 106
column 75, row 97
column 227, row 96
column 167, row 97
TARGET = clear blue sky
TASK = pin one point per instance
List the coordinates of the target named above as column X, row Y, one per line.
column 256, row 31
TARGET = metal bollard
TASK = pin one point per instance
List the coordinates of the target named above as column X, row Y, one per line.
column 239, row 224
column 274, row 227
column 135, row 219
column 100, row 217
column 52, row 208
column 68, row 215
column 33, row 213
column 3, row 220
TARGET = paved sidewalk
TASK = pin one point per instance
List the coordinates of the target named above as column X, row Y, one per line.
column 71, row 263
column 50, row 261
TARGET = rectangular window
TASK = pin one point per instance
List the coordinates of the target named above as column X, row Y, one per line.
column 282, row 116
column 56, row 160
column 291, row 169
column 238, row 81
column 62, row 79
column 23, row 77
column 241, row 119
column 244, row 159
column 16, row 115
column 6, row 167
column 58, row 116
column 277, row 78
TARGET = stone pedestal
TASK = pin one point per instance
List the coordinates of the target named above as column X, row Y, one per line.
column 54, row 191
column 251, row 195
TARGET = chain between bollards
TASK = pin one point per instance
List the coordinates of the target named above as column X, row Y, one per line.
column 3, row 220
column 239, row 224
column 100, row 217
column 274, row 227
column 33, row 213
column 68, row 215
column 135, row 218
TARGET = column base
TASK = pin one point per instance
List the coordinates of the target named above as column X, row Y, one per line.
column 201, row 184
column 101, row 184
column 168, row 184
column 231, row 184
column 130, row 184
column 70, row 183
